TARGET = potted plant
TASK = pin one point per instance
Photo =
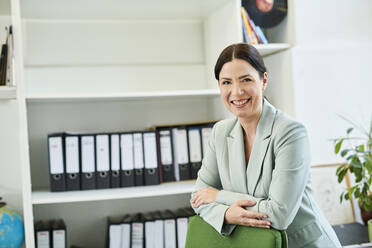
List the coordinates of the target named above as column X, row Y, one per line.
column 357, row 152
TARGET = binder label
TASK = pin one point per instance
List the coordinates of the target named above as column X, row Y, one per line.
column 151, row 158
column 56, row 155
column 115, row 152
column 127, row 161
column 87, row 153
column 102, row 149
column 59, row 239
column 138, row 151
column 165, row 148
column 43, row 239
column 195, row 145
column 137, row 235
column 206, row 133
column 72, row 154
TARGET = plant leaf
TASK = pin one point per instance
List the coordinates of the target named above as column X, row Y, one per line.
column 338, row 145
column 356, row 162
column 341, row 197
column 360, row 148
column 348, row 131
column 344, row 152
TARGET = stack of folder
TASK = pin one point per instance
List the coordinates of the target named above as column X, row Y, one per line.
column 125, row 159
column 50, row 234
column 151, row 230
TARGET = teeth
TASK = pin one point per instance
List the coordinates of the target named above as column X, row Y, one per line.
column 240, row 102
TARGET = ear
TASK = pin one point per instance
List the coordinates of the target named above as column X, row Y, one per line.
column 264, row 81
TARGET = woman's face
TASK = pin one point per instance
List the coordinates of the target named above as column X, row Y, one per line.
column 241, row 88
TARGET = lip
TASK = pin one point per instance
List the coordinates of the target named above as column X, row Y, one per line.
column 242, row 105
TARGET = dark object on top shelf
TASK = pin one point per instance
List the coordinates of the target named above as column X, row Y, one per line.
column 266, row 13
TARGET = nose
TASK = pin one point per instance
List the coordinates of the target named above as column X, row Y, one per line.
column 237, row 90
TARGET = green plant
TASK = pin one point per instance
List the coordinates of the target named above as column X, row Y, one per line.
column 357, row 152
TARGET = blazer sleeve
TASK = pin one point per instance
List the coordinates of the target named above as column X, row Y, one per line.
column 208, row 176
column 289, row 178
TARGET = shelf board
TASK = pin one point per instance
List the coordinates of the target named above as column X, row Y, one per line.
column 165, row 189
column 269, row 49
column 121, row 96
column 7, row 92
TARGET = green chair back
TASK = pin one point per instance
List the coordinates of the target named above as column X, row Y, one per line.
column 201, row 234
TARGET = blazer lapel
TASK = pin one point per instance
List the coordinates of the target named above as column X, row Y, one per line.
column 235, row 151
column 260, row 146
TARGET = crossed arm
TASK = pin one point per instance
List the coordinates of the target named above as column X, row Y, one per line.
column 289, row 179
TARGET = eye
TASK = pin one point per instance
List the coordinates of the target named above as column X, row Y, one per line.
column 247, row 80
column 225, row 82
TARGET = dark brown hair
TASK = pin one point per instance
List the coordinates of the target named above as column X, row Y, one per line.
column 240, row 51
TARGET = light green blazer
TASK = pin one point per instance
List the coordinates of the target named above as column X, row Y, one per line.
column 277, row 178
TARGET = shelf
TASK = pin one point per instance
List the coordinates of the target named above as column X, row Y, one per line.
column 269, row 49
column 121, row 96
column 7, row 92
column 174, row 188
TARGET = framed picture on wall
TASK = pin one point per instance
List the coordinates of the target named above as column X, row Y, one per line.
column 327, row 191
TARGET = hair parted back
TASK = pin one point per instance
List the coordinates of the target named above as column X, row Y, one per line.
column 240, row 51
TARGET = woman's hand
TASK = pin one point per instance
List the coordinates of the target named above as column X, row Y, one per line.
column 204, row 196
column 238, row 215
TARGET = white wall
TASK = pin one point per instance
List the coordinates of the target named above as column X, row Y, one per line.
column 331, row 71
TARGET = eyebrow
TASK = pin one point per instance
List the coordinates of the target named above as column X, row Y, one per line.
column 243, row 76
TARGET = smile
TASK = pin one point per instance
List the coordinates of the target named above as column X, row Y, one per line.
column 240, row 103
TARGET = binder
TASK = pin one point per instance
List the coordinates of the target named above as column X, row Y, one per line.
column 165, row 149
column 115, row 160
column 56, row 162
column 150, row 230
column 72, row 148
column 205, row 134
column 170, row 237
column 195, row 151
column 138, row 159
column 42, row 233
column 126, row 231
column 151, row 158
column 59, row 234
column 159, row 229
column 127, row 160
column 88, row 162
column 182, row 166
column 182, row 221
column 103, row 161
column 137, row 231
column 114, row 233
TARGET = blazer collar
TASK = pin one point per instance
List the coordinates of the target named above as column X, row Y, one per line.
column 244, row 178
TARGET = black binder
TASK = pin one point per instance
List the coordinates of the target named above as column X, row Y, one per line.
column 151, row 158
column 181, row 153
column 115, row 160
column 56, row 162
column 102, row 161
column 127, row 160
column 195, row 150
column 165, row 157
column 42, row 234
column 58, row 234
column 138, row 159
column 88, row 162
column 72, row 155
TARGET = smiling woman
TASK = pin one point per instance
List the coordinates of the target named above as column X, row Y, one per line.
column 255, row 171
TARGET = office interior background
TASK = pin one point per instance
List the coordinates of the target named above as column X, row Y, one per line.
column 110, row 66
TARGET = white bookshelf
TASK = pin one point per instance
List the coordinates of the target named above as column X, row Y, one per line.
column 7, row 92
column 185, row 94
column 115, row 66
column 165, row 189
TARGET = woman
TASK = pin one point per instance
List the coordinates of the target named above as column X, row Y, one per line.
column 256, row 171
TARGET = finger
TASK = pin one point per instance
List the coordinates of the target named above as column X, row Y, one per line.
column 255, row 223
column 254, row 215
column 245, row 203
